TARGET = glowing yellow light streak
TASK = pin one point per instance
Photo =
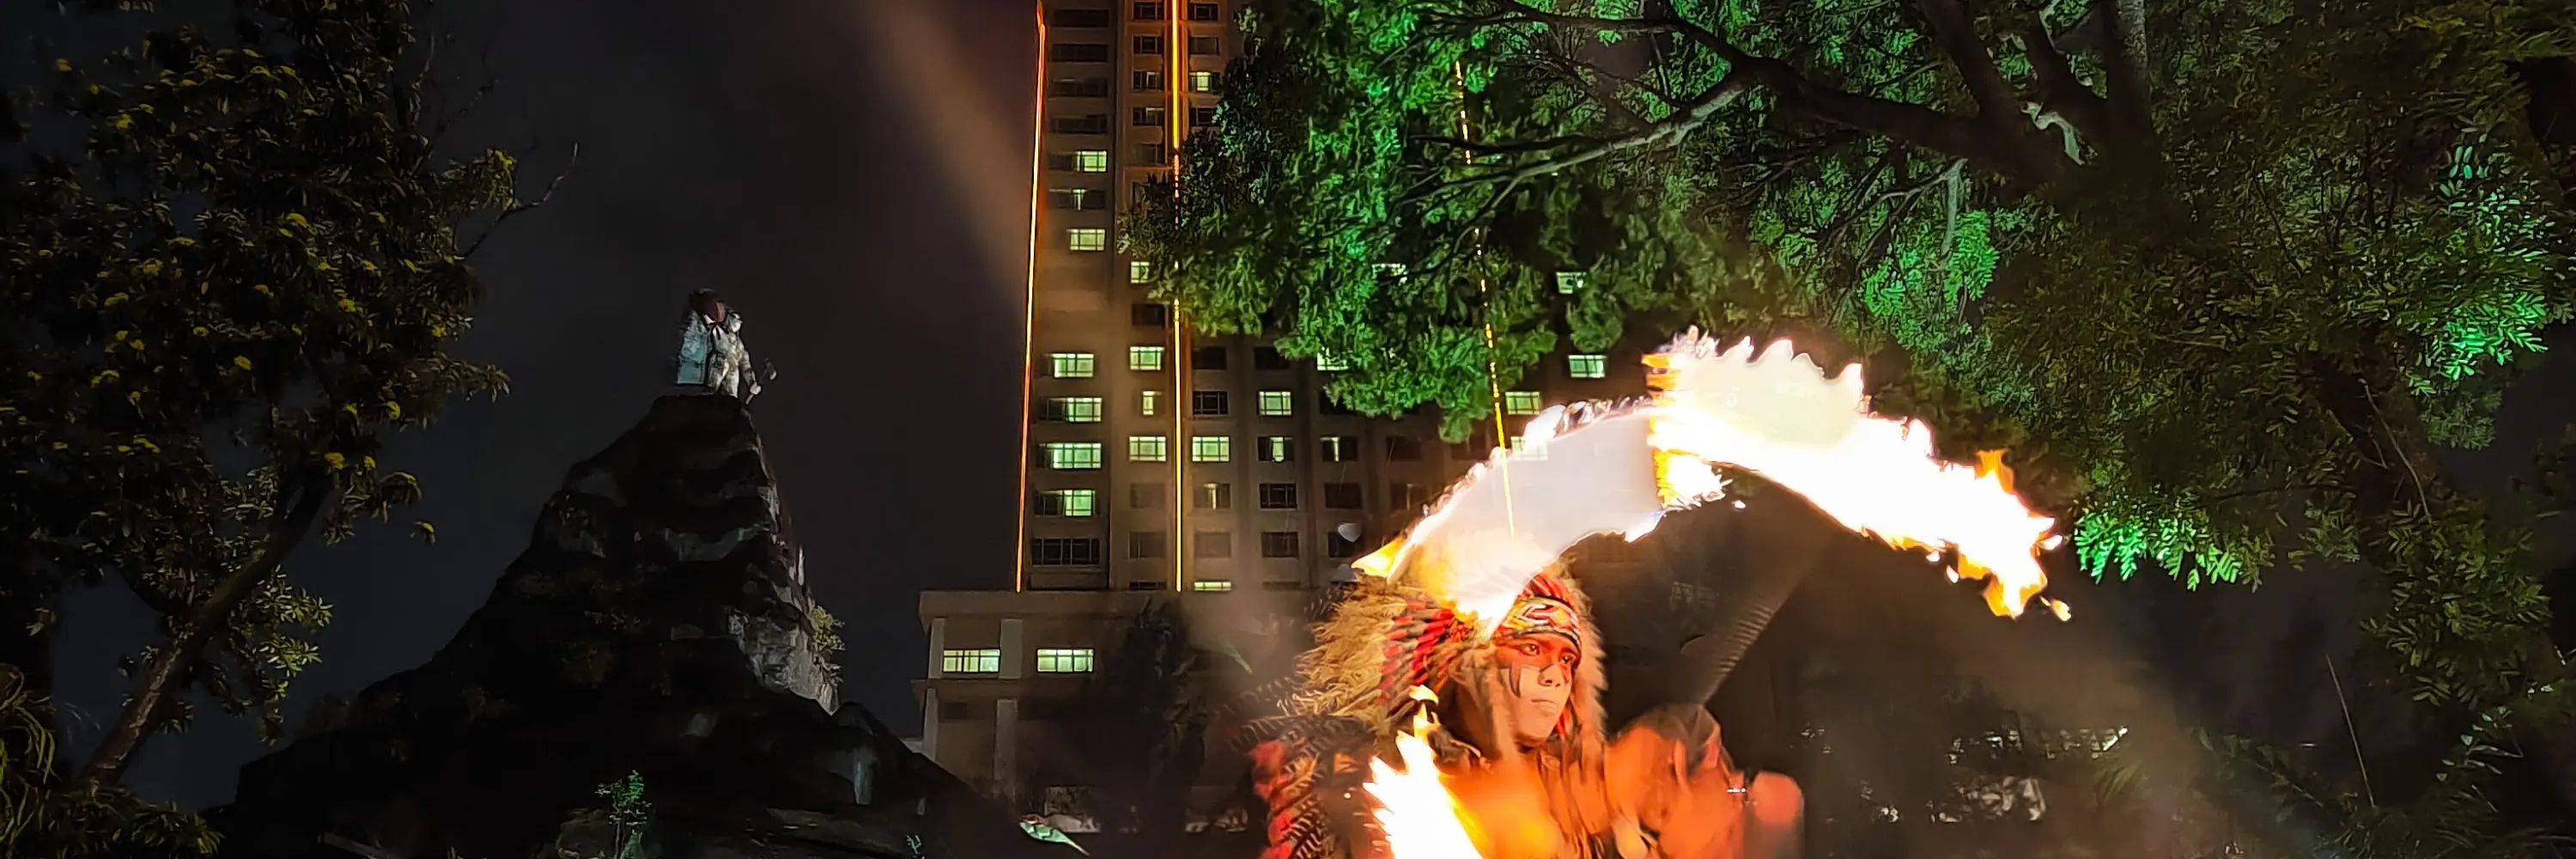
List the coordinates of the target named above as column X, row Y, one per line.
column 1484, row 291
column 1176, row 103
column 1029, row 308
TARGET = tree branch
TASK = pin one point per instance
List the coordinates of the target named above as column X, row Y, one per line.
column 163, row 676
column 1957, row 37
column 2060, row 91
column 541, row 200
column 1911, row 124
column 1670, row 130
column 2124, row 58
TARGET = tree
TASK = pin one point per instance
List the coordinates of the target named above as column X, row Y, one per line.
column 2222, row 276
column 1137, row 741
column 243, row 276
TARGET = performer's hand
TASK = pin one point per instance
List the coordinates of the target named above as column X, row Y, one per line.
column 1775, row 816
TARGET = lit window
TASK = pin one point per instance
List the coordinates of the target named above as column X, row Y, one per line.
column 1212, row 586
column 1067, row 502
column 1145, row 358
column 1075, row 410
column 1570, row 282
column 1340, row 448
column 1331, row 363
column 1214, row 496
column 1140, row 271
column 1091, row 160
column 985, row 661
column 1069, row 365
column 1202, row 81
column 1587, row 366
column 1520, row 402
column 1277, row 448
column 1087, row 239
column 1278, row 404
column 1073, row 455
column 1148, row 448
column 1064, row 660
column 1211, row 448
column 1149, row 402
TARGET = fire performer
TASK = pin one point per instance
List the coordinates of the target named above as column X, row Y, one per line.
column 1519, row 738
column 1470, row 620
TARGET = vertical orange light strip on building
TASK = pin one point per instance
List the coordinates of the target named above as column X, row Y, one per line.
column 1484, row 290
column 1176, row 46
column 1029, row 310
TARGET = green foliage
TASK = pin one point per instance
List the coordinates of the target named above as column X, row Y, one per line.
column 2456, row 816
column 2221, row 275
column 630, row 816
column 2152, row 329
column 243, row 277
column 40, row 819
column 826, row 630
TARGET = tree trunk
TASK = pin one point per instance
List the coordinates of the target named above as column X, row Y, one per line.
column 2370, row 401
column 160, row 683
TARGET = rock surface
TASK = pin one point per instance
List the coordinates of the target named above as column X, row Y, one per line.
column 659, row 623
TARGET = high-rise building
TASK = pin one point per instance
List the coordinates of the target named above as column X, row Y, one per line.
column 1159, row 465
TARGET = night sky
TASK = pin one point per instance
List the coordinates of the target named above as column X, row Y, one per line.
column 762, row 148
column 853, row 176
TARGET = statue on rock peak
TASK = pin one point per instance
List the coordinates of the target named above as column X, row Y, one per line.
column 712, row 357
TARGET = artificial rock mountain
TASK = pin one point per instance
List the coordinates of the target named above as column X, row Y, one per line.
column 658, row 623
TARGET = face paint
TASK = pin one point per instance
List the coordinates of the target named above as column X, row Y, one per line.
column 1537, row 674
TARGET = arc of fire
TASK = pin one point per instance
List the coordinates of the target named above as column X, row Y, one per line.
column 1617, row 468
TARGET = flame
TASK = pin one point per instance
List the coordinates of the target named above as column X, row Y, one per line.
column 1779, row 416
column 1415, row 810
column 1775, row 414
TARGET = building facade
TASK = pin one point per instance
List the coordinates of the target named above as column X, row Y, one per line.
column 1162, row 466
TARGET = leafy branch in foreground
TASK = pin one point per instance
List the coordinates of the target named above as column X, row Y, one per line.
column 242, row 278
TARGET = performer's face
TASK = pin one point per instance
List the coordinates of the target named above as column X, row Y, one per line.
column 1537, row 673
